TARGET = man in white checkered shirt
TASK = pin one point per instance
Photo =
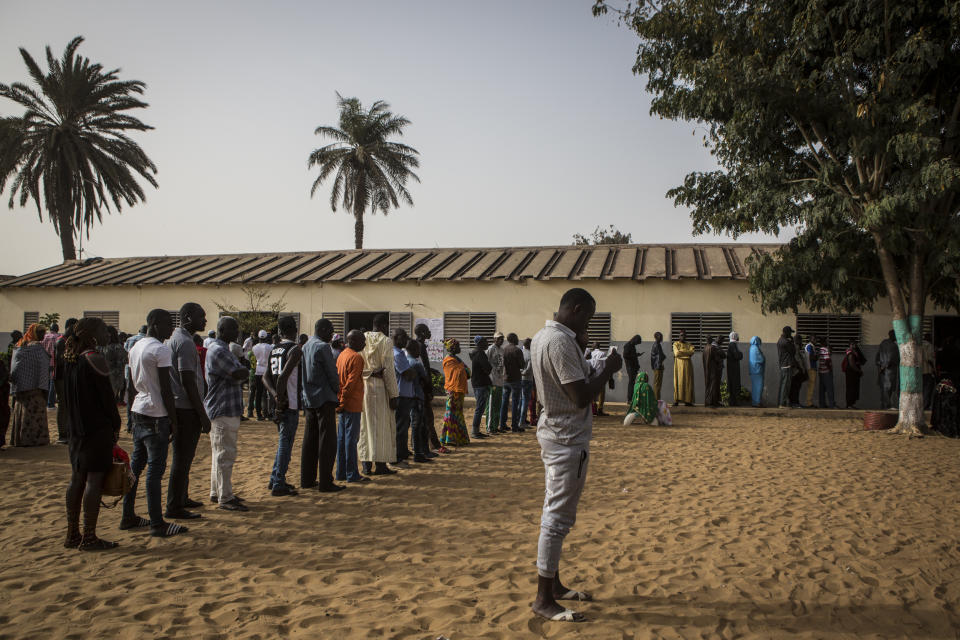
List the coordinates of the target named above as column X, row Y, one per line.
column 564, row 386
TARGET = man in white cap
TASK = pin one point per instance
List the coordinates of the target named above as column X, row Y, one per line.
column 261, row 353
column 495, row 356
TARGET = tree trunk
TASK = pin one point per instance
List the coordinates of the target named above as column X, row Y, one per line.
column 911, row 420
column 65, row 231
column 358, row 229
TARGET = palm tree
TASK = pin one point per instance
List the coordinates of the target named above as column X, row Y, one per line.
column 70, row 152
column 370, row 170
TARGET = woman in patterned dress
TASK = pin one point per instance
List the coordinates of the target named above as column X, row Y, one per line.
column 455, row 375
column 30, row 381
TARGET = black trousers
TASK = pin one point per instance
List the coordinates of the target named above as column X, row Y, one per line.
column 632, row 372
column 257, row 393
column 428, row 427
column 319, row 451
column 184, row 449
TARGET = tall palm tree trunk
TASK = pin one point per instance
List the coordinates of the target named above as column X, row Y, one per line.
column 358, row 229
column 65, row 231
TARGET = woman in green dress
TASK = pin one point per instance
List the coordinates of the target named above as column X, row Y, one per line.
column 644, row 404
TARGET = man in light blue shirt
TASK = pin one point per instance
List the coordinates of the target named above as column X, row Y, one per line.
column 406, row 377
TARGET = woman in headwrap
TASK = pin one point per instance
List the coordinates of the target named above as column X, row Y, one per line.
column 734, row 356
column 644, row 405
column 455, row 375
column 757, row 367
column 94, row 428
column 30, row 382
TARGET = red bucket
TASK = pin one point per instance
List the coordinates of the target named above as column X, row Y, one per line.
column 877, row 421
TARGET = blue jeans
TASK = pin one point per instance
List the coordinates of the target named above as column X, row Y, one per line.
column 482, row 395
column 526, row 395
column 510, row 401
column 348, row 433
column 151, row 439
column 402, row 415
column 287, row 430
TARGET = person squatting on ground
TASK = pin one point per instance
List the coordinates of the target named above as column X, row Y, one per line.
column 321, row 391
column 153, row 419
column 282, row 382
column 564, row 430
column 93, row 430
column 224, row 405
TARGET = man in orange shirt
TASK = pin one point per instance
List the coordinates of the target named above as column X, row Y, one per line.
column 350, row 368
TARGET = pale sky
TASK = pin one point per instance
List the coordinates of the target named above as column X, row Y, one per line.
column 530, row 124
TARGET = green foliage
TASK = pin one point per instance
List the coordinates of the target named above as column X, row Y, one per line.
column 48, row 319
column 261, row 310
column 437, row 380
column 369, row 170
column 835, row 118
column 70, row 152
column 610, row 235
column 725, row 395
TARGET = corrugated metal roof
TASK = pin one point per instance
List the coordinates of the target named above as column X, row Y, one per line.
column 636, row 262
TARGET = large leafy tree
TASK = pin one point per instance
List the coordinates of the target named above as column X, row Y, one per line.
column 70, row 152
column 369, row 170
column 838, row 118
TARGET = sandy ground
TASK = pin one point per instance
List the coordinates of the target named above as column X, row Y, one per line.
column 719, row 527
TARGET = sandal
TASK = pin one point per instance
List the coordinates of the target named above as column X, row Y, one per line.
column 168, row 529
column 136, row 523
column 72, row 542
column 96, row 544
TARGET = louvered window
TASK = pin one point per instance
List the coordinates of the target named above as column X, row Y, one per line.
column 336, row 319
column 110, row 318
column 29, row 317
column 175, row 314
column 464, row 325
column 401, row 320
column 836, row 329
column 699, row 326
column 599, row 330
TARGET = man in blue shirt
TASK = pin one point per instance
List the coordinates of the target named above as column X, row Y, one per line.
column 405, row 384
column 420, row 440
column 321, row 388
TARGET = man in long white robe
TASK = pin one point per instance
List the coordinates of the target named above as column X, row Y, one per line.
column 378, row 426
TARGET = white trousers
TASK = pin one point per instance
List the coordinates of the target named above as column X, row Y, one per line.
column 223, row 448
column 565, row 472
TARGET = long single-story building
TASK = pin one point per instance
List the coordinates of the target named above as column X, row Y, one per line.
column 460, row 293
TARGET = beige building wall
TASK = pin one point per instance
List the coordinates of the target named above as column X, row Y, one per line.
column 522, row 307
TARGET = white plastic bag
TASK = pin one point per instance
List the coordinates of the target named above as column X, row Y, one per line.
column 663, row 413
